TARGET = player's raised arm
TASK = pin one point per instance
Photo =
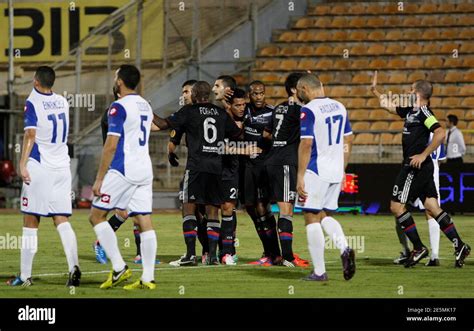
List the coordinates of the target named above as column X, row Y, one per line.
column 373, row 89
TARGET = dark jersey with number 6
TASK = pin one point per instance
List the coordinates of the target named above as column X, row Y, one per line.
column 205, row 126
column 285, row 130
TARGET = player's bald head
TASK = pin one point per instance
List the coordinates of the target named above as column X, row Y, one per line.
column 309, row 80
column 309, row 87
column 423, row 88
column 201, row 92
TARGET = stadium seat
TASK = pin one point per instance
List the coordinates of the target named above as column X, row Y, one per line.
column 467, row 20
column 378, row 115
column 448, row 34
column 412, row 49
column 449, row 48
column 430, row 20
column 268, row 78
column 342, row 64
column 449, row 90
column 374, row 9
column 354, row 103
column 468, row 77
column 376, row 35
column 343, row 77
column 410, row 21
column 360, row 126
column 358, row 115
column 379, row 126
column 467, row 47
column 323, row 50
column 412, row 35
column 376, row 49
column 430, row 34
column 357, row 22
column 306, row 36
column 304, row 23
column 434, row 62
column 361, row 78
column 393, row 21
column 358, row 35
column 358, row 50
column 469, row 115
column 465, row 7
column 396, row 63
column 325, row 78
column 339, row 22
column 321, row 10
column 386, row 138
column 322, row 22
column 465, row 34
column 446, row 7
column 269, row 51
column 470, row 126
column 462, row 125
column 468, row 102
column 288, row 65
column 373, row 103
column 376, row 22
column 436, row 76
column 451, row 62
column 431, row 49
column 359, row 90
column 270, row 65
column 394, row 49
column 452, row 77
column 360, row 64
column 394, row 35
column 415, row 63
column 396, row 126
column 451, row 102
column 307, row 64
column 366, row 139
column 340, row 35
column 288, row 36
column 468, row 62
column 358, row 9
column 288, row 51
column 435, row 102
column 397, row 139
column 378, row 64
column 339, row 10
column 466, row 90
column 391, row 8
column 321, row 36
column 398, row 78
column 305, row 51
column 324, row 64
column 339, row 91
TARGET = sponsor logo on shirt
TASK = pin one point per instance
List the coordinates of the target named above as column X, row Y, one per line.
column 113, row 111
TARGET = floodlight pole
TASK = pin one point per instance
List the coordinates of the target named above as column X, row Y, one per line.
column 11, row 77
column 138, row 58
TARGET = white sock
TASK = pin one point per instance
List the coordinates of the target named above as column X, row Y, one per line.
column 148, row 249
column 315, row 236
column 433, row 227
column 108, row 240
column 334, row 230
column 29, row 247
column 68, row 238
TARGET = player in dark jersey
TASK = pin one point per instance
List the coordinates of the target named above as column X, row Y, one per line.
column 415, row 179
column 254, row 187
column 281, row 166
column 120, row 216
column 205, row 126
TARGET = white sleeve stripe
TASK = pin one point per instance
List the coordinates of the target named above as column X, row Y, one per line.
column 114, row 134
column 30, row 127
column 311, row 137
column 348, row 133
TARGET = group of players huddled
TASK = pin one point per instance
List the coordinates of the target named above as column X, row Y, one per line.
column 241, row 152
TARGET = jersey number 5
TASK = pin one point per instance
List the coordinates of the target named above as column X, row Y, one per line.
column 52, row 118
column 141, row 141
column 329, row 121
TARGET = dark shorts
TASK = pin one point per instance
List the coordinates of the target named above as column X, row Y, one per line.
column 230, row 188
column 282, row 183
column 202, row 188
column 255, row 185
column 414, row 183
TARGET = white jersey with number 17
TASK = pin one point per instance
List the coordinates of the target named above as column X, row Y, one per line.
column 325, row 121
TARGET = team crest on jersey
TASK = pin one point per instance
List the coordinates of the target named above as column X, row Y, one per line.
column 24, row 202
column 172, row 133
column 105, row 198
column 303, row 115
column 113, row 111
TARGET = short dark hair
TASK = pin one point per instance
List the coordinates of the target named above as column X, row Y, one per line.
column 130, row 75
column 238, row 94
column 228, row 81
column 189, row 82
column 46, row 76
column 425, row 88
column 201, row 91
column 291, row 82
column 453, row 119
column 255, row 82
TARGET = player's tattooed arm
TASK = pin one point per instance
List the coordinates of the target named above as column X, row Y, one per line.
column 108, row 153
column 379, row 95
column 438, row 138
column 28, row 143
column 304, row 155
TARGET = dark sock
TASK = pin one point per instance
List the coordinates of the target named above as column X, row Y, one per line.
column 285, row 232
column 447, row 226
column 259, row 226
column 213, row 232
column 234, row 231
column 116, row 221
column 409, row 228
column 202, row 234
column 227, row 235
column 402, row 238
column 136, row 234
column 190, row 234
column 270, row 227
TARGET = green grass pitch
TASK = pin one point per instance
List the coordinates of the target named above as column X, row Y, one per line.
column 376, row 276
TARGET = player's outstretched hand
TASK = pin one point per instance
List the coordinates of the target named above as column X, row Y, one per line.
column 300, row 188
column 173, row 159
column 25, row 175
column 96, row 187
column 417, row 160
column 373, row 87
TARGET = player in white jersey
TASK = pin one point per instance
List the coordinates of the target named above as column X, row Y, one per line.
column 323, row 154
column 434, row 231
column 124, row 179
column 44, row 168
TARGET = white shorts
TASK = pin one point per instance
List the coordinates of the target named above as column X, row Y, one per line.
column 321, row 194
column 118, row 193
column 49, row 192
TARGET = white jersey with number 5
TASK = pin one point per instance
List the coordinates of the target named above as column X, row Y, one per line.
column 325, row 121
column 49, row 115
column 130, row 118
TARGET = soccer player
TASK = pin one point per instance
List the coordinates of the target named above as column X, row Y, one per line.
column 124, row 179
column 120, row 216
column 205, row 126
column 46, row 175
column 222, row 89
column 323, row 154
column 281, row 166
column 258, row 115
column 415, row 179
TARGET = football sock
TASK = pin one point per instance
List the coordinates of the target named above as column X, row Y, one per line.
column 108, row 240
column 190, row 233
column 409, row 228
column 259, row 226
column 315, row 235
column 116, row 221
column 234, row 230
column 334, row 230
column 270, row 227
column 68, row 238
column 213, row 232
column 285, row 232
column 433, row 228
column 402, row 238
column 202, row 234
column 29, row 247
column 136, row 234
column 447, row 226
column 227, row 235
column 148, row 248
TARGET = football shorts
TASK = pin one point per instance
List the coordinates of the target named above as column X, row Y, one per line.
column 322, row 195
column 282, row 183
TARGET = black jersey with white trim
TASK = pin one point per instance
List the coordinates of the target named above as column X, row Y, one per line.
column 255, row 121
